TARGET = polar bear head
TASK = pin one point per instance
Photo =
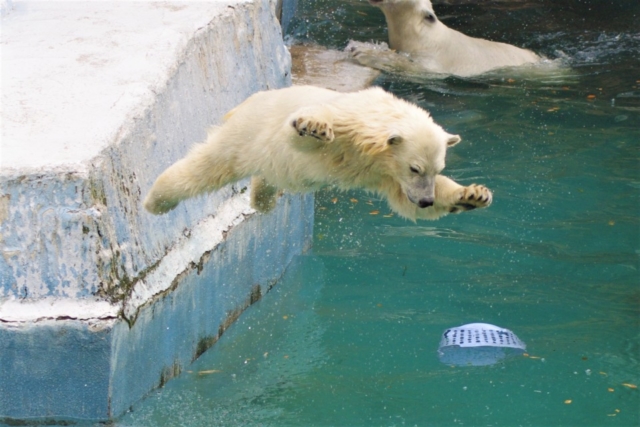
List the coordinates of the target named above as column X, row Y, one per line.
column 398, row 4
column 408, row 6
column 398, row 141
column 416, row 151
column 411, row 23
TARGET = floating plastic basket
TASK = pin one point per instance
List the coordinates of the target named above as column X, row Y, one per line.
column 478, row 344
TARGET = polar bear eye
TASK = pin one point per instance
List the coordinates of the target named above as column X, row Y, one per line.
column 394, row 140
column 414, row 169
column 430, row 17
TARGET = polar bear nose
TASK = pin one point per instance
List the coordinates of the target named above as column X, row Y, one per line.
column 425, row 202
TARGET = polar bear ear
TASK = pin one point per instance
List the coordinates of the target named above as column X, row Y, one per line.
column 430, row 17
column 394, row 140
column 453, row 140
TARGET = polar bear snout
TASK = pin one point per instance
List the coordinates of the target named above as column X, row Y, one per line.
column 425, row 202
column 421, row 191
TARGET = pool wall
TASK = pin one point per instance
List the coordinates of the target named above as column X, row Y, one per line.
column 101, row 302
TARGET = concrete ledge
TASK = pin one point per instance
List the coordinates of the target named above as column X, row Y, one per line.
column 95, row 368
column 100, row 302
column 88, row 128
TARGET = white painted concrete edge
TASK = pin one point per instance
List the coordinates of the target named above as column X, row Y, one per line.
column 204, row 237
column 73, row 86
column 15, row 311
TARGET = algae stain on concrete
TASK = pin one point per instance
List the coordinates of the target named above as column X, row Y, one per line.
column 169, row 372
column 206, row 342
column 4, row 207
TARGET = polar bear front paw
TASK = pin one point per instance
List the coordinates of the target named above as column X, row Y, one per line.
column 472, row 197
column 307, row 126
column 355, row 48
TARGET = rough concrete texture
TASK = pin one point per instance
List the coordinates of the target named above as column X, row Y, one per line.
column 99, row 300
column 5, row 7
column 97, row 368
column 96, row 103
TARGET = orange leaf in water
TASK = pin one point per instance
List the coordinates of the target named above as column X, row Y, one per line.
column 591, row 96
column 210, row 371
column 568, row 402
column 334, row 200
column 376, row 212
column 354, row 200
column 629, row 385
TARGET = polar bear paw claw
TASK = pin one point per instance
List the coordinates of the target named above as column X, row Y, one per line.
column 472, row 197
column 313, row 128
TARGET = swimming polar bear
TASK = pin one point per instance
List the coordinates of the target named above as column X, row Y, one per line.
column 429, row 45
column 304, row 137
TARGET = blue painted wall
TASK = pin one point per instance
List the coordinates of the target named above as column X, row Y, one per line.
column 68, row 369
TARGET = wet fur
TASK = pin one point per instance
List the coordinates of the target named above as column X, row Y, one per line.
column 303, row 137
column 414, row 29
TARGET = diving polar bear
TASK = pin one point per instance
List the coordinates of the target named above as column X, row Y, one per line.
column 304, row 137
column 414, row 29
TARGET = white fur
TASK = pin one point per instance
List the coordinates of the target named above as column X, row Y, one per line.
column 415, row 29
column 303, row 137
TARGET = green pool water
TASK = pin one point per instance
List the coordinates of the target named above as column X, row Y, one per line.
column 349, row 337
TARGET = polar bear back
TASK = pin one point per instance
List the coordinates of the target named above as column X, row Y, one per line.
column 259, row 132
column 259, row 137
column 463, row 55
column 264, row 105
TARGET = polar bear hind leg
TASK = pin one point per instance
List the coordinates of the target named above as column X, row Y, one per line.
column 204, row 169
